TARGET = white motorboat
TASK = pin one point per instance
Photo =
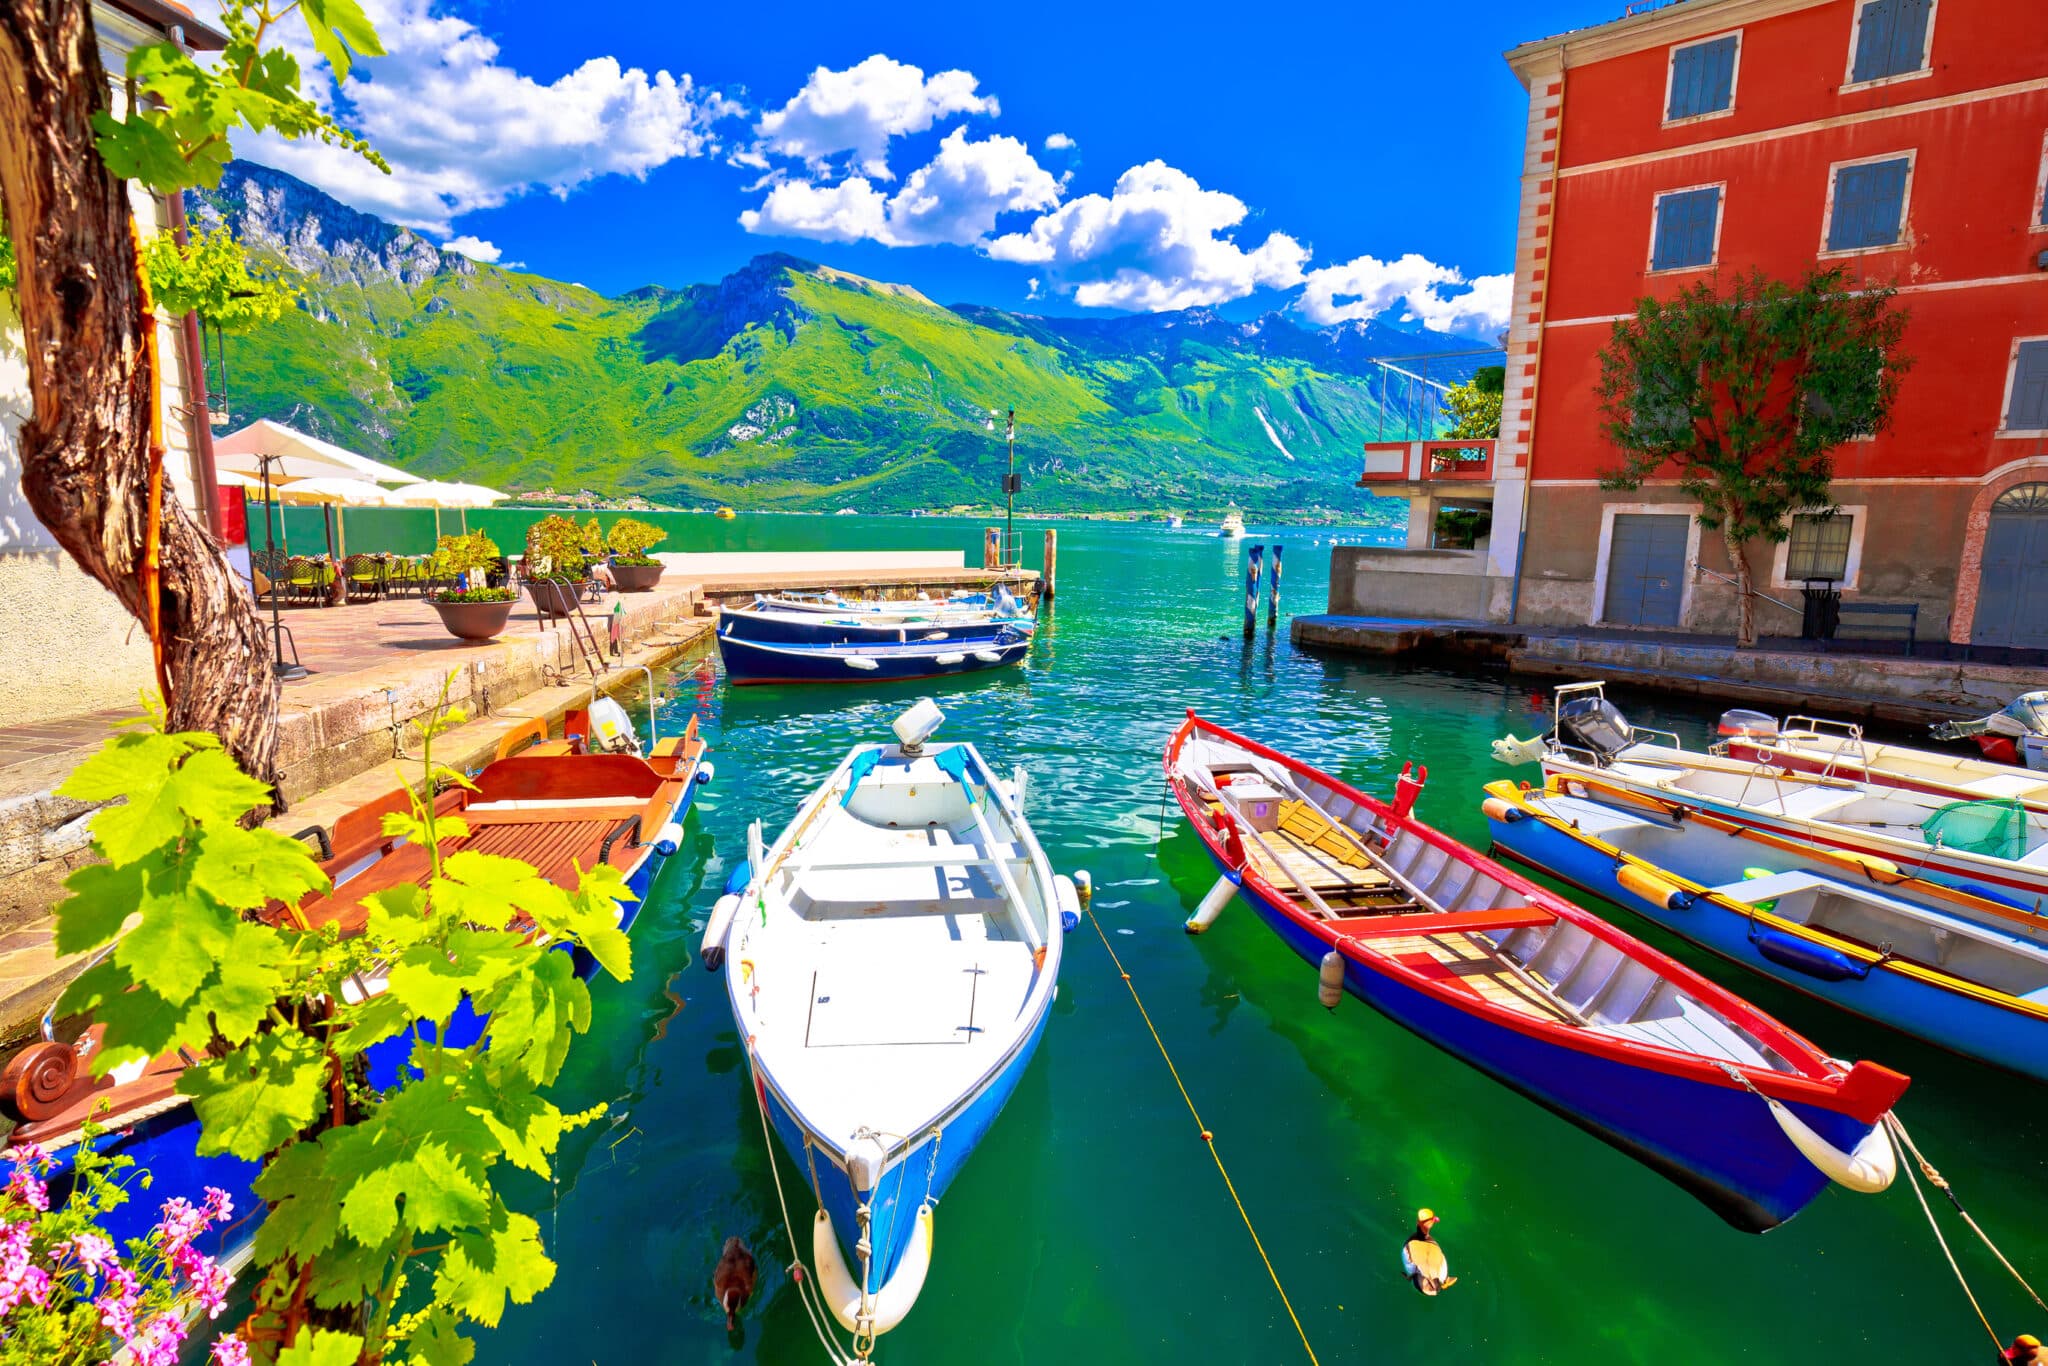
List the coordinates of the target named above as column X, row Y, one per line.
column 1233, row 526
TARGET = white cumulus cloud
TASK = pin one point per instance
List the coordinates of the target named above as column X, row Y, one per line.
column 463, row 131
column 1157, row 241
column 475, row 248
column 1058, row 142
column 954, row 199
column 858, row 110
column 1367, row 287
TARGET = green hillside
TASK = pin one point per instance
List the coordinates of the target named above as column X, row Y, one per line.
column 785, row 385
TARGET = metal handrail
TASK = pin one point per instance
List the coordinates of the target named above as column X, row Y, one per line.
column 1699, row 568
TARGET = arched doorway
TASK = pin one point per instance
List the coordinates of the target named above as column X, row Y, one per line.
column 2012, row 592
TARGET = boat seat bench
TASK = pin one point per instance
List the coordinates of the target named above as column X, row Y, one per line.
column 1446, row 922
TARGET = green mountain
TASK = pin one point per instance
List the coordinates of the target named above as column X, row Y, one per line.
column 787, row 384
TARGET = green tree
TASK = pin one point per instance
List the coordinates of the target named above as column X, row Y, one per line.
column 1474, row 406
column 91, row 454
column 1743, row 395
column 209, row 274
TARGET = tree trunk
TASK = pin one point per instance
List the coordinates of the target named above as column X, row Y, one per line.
column 1738, row 555
column 87, row 467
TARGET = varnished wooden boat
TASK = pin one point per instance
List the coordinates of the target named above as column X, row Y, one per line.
column 1543, row 996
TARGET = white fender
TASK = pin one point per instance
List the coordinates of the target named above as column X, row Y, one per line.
column 669, row 839
column 950, row 657
column 842, row 1293
column 861, row 662
column 1069, row 902
column 712, row 950
column 988, row 656
column 1869, row 1169
column 1212, row 905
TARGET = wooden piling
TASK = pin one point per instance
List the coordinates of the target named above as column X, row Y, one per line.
column 1273, row 601
column 1052, row 559
column 1251, row 591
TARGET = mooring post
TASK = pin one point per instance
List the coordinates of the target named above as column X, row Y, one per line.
column 1052, row 560
column 990, row 554
column 1251, row 591
column 1273, row 598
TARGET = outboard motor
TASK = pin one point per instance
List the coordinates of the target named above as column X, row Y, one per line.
column 1595, row 725
column 1741, row 722
column 612, row 731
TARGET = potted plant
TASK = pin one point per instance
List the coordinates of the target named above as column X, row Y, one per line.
column 470, row 613
column 635, row 569
column 556, row 565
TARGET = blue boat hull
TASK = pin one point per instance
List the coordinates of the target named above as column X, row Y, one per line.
column 825, row 630
column 1716, row 1142
column 1963, row 1024
column 749, row 662
column 903, row 1184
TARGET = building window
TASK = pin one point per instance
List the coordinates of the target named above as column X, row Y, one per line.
column 2026, row 403
column 1687, row 228
column 1702, row 79
column 1890, row 38
column 1867, row 204
column 1819, row 547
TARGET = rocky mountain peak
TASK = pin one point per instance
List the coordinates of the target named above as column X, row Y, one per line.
column 318, row 234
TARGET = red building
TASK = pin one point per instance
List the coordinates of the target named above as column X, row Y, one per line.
column 1903, row 140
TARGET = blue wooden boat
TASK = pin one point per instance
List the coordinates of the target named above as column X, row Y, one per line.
column 1550, row 1000
column 776, row 626
column 749, row 661
column 891, row 962
column 1952, row 976
column 555, row 804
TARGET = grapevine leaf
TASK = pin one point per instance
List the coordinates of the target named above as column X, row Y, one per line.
column 245, row 868
column 480, row 1269
column 370, row 1209
column 102, row 898
column 250, row 981
column 342, row 32
column 526, row 1126
column 438, row 1341
column 258, row 1096
column 444, row 1193
column 395, row 914
column 533, row 1015
column 321, row 1347
column 483, row 889
column 138, row 1024
column 173, row 949
column 371, row 1022
column 430, row 980
column 305, row 1204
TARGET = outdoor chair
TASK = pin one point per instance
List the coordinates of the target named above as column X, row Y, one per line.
column 270, row 567
column 306, row 579
column 365, row 576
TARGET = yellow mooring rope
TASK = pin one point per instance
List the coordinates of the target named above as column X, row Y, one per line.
column 1208, row 1137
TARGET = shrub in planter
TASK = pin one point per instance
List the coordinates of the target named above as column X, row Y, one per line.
column 556, row 565
column 632, row 566
column 471, row 613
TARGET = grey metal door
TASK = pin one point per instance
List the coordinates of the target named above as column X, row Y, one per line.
column 1645, row 568
column 2012, row 591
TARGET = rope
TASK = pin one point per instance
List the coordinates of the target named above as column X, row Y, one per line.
column 1937, row 1180
column 1996, row 1342
column 806, row 1285
column 1208, row 1137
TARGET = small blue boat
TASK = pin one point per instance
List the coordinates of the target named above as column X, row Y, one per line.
column 773, row 626
column 555, row 804
column 751, row 661
column 1949, row 977
column 891, row 962
column 1630, row 1045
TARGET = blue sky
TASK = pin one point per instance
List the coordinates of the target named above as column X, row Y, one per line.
column 1340, row 161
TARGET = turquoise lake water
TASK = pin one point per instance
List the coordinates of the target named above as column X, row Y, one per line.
column 1091, row 1225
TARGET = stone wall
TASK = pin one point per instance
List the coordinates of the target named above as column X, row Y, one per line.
column 1437, row 585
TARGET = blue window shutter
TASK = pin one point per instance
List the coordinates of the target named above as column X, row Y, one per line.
column 1685, row 229
column 1870, row 205
column 1890, row 39
column 2029, row 409
column 1702, row 78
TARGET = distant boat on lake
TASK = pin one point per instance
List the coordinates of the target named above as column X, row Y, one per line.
column 847, row 512
column 1175, row 520
column 1233, row 526
column 725, row 514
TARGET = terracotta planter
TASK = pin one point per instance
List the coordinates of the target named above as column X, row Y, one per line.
column 553, row 599
column 637, row 578
column 475, row 620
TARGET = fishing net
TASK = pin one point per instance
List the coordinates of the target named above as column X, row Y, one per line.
column 1995, row 827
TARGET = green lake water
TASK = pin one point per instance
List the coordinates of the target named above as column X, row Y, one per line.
column 1091, row 1225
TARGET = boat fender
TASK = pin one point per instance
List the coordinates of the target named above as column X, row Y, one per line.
column 704, row 774
column 1407, row 789
column 736, row 881
column 1659, row 892
column 1498, row 809
column 1069, row 900
column 1084, row 885
column 887, row 1306
column 1233, row 843
column 988, row 656
column 1802, row 955
column 1330, row 980
column 861, row 662
column 1212, row 904
column 951, row 657
column 723, row 912
column 1868, row 1170
column 668, row 839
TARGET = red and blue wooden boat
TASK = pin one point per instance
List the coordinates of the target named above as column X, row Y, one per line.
column 1545, row 997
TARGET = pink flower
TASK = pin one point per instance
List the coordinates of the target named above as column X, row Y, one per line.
column 20, row 1278
column 25, row 1187
column 117, row 1302
column 229, row 1350
column 94, row 1253
column 158, row 1342
column 219, row 1205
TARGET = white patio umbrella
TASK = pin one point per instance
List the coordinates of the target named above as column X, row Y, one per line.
column 356, row 493
column 447, row 496
column 294, row 455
